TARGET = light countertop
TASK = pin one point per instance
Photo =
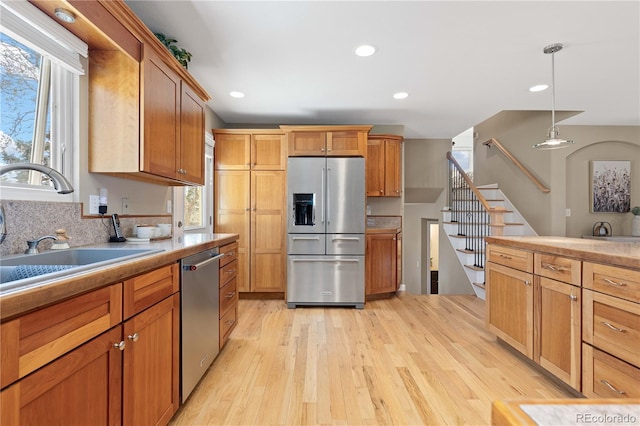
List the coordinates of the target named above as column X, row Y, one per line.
column 19, row 301
column 626, row 254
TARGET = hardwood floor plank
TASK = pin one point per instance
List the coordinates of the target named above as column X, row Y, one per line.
column 408, row 360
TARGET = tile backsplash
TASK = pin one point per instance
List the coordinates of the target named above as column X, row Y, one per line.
column 29, row 220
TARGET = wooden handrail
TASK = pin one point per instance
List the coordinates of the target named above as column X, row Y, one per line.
column 518, row 164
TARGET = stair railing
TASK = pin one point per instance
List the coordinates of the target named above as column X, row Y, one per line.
column 518, row 164
column 474, row 216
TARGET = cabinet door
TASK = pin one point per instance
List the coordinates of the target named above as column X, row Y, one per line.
column 392, row 168
column 509, row 301
column 381, row 264
column 375, row 168
column 311, row 144
column 347, row 143
column 268, row 231
column 233, row 216
column 191, row 155
column 151, row 364
column 161, row 114
column 559, row 331
column 268, row 152
column 232, row 151
column 399, row 259
column 82, row 387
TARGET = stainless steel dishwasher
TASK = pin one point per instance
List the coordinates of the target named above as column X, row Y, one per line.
column 199, row 310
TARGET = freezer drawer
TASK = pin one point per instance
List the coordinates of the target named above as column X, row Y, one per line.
column 340, row 244
column 306, row 243
column 325, row 281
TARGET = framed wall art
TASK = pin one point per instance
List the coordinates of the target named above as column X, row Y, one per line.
column 610, row 186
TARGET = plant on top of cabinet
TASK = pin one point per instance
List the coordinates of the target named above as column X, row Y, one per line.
column 181, row 54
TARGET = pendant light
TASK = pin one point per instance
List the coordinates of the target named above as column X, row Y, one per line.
column 553, row 141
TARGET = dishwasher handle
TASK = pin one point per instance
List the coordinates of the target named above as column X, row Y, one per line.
column 198, row 265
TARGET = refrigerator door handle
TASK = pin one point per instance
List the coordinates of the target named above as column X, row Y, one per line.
column 305, row 238
column 345, row 239
column 322, row 197
column 328, row 197
column 326, row 260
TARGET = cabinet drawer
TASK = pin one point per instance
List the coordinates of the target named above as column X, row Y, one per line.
column 227, row 323
column 230, row 252
column 150, row 288
column 513, row 258
column 604, row 376
column 612, row 324
column 34, row 339
column 558, row 268
column 228, row 272
column 228, row 296
column 613, row 280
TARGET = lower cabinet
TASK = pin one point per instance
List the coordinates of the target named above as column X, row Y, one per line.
column 127, row 375
column 381, row 270
column 228, row 281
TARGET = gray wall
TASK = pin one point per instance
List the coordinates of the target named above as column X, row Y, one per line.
column 562, row 170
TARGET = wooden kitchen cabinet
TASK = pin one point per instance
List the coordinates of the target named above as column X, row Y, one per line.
column 320, row 141
column 252, row 204
column 246, row 149
column 228, row 281
column 384, row 166
column 381, row 271
column 83, row 387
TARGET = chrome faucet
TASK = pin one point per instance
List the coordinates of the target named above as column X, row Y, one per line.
column 59, row 182
column 33, row 244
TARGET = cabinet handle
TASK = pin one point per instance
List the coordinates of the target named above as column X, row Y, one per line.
column 610, row 386
column 231, row 253
column 230, row 271
column 133, row 337
column 613, row 283
column 573, row 297
column 554, row 267
column 321, row 149
column 506, row 257
column 231, row 294
column 120, row 346
column 229, row 322
column 527, row 282
column 613, row 327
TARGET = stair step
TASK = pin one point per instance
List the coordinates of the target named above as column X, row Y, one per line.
column 474, row 267
column 480, row 285
column 482, row 223
column 467, row 251
column 463, row 236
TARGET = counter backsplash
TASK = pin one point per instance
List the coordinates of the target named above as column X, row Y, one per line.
column 29, row 220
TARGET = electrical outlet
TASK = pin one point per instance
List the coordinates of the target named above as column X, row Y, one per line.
column 94, row 201
column 125, row 205
column 567, row 212
column 169, row 209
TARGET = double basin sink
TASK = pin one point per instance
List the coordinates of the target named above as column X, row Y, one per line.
column 20, row 271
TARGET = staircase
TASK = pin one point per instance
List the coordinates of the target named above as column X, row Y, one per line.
column 473, row 213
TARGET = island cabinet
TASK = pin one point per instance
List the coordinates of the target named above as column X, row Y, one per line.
column 384, row 166
column 611, row 331
column 320, row 141
column 533, row 304
column 76, row 362
column 383, row 270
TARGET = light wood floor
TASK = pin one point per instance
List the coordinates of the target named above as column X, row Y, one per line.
column 410, row 360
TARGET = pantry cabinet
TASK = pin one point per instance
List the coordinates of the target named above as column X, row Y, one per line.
column 245, row 149
column 320, row 141
column 252, row 205
column 384, row 166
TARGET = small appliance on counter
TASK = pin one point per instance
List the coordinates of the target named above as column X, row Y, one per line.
column 602, row 229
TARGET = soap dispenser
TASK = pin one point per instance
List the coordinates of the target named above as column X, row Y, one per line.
column 62, row 241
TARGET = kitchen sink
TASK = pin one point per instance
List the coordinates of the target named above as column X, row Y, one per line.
column 29, row 269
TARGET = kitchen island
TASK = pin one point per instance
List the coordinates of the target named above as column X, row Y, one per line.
column 570, row 305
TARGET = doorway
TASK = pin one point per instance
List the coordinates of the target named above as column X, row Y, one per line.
column 429, row 256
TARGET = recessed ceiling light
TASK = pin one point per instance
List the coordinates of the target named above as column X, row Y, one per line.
column 538, row 87
column 400, row 95
column 365, row 50
column 236, row 94
column 65, row 15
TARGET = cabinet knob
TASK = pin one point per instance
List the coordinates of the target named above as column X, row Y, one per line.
column 133, row 337
column 381, row 191
column 321, row 149
column 573, row 297
column 120, row 346
column 527, row 282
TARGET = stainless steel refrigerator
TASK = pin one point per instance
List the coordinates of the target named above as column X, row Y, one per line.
column 326, row 231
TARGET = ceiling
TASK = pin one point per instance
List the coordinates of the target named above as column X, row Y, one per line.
column 460, row 61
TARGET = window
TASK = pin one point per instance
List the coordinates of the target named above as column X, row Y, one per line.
column 39, row 89
column 198, row 200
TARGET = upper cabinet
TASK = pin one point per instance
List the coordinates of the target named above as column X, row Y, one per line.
column 146, row 112
column 384, row 166
column 247, row 149
column 320, row 141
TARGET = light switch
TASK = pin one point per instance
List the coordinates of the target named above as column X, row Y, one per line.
column 567, row 212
